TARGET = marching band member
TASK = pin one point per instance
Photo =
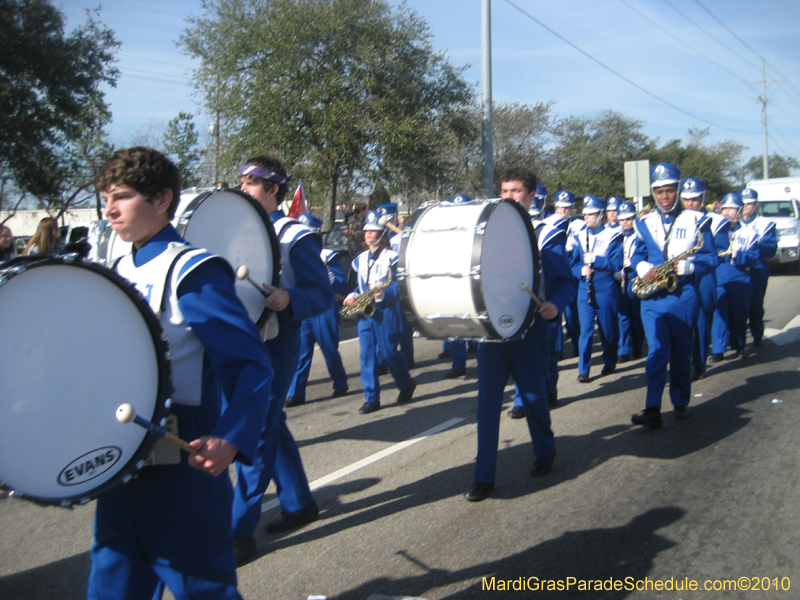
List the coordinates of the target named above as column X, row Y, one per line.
column 496, row 361
column 612, row 211
column 669, row 317
column 171, row 524
column 596, row 258
column 546, row 236
column 766, row 241
column 305, row 292
column 322, row 329
column 733, row 283
column 379, row 335
column 563, row 217
column 631, row 332
column 693, row 193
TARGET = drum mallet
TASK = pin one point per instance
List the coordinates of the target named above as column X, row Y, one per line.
column 386, row 221
column 126, row 413
column 243, row 273
column 526, row 288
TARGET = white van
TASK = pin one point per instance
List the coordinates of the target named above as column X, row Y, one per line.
column 779, row 201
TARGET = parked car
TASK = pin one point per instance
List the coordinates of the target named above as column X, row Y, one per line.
column 778, row 201
column 336, row 240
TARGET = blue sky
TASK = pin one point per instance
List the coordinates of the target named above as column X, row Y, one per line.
column 673, row 49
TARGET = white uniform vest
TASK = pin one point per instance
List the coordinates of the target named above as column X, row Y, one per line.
column 369, row 278
column 289, row 232
column 682, row 235
column 597, row 244
column 158, row 280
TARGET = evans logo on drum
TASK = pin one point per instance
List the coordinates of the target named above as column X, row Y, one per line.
column 90, row 465
column 506, row 321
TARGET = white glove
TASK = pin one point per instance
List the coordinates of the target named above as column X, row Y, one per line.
column 643, row 268
column 626, row 263
column 617, row 275
column 684, row 267
column 585, row 271
column 588, row 258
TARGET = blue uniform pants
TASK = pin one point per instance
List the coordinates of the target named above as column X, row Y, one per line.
column 669, row 321
column 458, row 353
column 277, row 456
column 379, row 337
column 526, row 361
column 707, row 289
column 323, row 329
column 730, row 318
column 605, row 314
column 759, row 277
column 552, row 363
column 631, row 332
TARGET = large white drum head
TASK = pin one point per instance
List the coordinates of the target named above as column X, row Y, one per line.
column 233, row 226
column 507, row 261
column 75, row 347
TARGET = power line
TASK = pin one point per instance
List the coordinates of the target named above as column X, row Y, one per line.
column 621, row 76
column 728, row 48
column 680, row 41
column 728, row 29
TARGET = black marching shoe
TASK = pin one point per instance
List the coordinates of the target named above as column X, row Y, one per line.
column 608, row 370
column 516, row 412
column 552, row 400
column 244, row 549
column 339, row 393
column 758, row 343
column 623, row 358
column 681, row 412
column 452, row 374
column 369, row 407
column 583, row 378
column 542, row 467
column 292, row 520
column 480, row 491
column 715, row 358
column 406, row 394
column 648, row 417
column 697, row 374
column 293, row 401
column 383, row 370
column 637, row 355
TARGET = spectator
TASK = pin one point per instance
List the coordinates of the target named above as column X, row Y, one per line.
column 43, row 242
column 7, row 249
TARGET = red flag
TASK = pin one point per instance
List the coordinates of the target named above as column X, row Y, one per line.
column 298, row 206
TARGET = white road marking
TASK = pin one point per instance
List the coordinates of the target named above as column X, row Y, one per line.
column 787, row 335
column 322, row 481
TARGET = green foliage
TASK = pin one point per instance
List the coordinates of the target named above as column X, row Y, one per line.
column 347, row 91
column 51, row 95
column 779, row 166
column 181, row 145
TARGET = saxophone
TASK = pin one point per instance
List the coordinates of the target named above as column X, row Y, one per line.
column 364, row 305
column 666, row 278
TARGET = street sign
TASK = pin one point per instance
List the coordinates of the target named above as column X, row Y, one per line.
column 637, row 178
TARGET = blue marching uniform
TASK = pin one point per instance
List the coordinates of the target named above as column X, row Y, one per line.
column 324, row 330
column 669, row 318
column 379, row 336
column 733, row 291
column 605, row 243
column 629, row 313
column 304, row 275
column 707, row 290
column 171, row 524
column 571, row 313
column 549, row 237
column 496, row 361
column 766, row 241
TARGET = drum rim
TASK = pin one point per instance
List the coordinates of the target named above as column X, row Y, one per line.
column 161, row 346
column 476, row 284
column 273, row 236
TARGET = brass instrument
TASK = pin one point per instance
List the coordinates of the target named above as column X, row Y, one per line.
column 666, row 278
column 364, row 305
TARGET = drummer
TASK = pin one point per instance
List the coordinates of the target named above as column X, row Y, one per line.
column 496, row 361
column 171, row 525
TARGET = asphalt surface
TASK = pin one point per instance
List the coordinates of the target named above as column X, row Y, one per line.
column 712, row 499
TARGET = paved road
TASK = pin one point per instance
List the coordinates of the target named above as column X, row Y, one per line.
column 712, row 498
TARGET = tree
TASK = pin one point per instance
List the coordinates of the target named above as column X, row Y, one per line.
column 51, row 94
column 779, row 166
column 181, row 144
column 522, row 134
column 343, row 90
column 589, row 155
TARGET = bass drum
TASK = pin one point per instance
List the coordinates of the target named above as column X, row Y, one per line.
column 231, row 224
column 462, row 266
column 81, row 342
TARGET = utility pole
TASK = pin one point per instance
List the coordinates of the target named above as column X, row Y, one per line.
column 486, row 81
column 763, row 99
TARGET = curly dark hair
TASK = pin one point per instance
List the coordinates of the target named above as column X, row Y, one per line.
column 526, row 176
column 276, row 166
column 145, row 170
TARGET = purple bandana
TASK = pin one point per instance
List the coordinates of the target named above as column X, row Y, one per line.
column 265, row 174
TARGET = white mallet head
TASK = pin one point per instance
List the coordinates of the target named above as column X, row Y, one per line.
column 242, row 272
column 125, row 413
column 524, row 286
